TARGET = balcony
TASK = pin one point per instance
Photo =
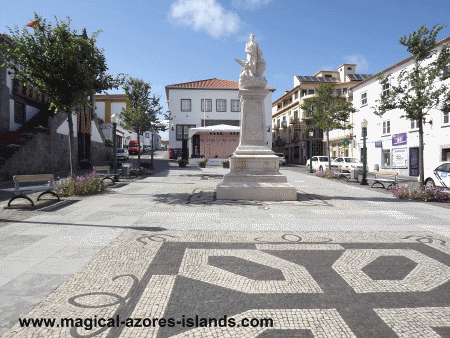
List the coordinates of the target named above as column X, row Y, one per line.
column 284, row 124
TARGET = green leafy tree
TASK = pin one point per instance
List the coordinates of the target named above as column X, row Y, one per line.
column 417, row 91
column 329, row 112
column 142, row 109
column 60, row 64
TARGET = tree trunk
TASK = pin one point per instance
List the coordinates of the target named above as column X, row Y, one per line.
column 328, row 150
column 139, row 150
column 421, row 167
column 71, row 143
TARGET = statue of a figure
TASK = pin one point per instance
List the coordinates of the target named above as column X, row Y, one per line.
column 253, row 67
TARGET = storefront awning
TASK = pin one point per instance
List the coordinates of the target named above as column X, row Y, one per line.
column 214, row 129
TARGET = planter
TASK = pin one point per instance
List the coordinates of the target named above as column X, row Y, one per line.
column 182, row 164
column 202, row 164
column 226, row 164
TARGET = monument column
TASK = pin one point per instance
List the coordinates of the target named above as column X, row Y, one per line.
column 254, row 167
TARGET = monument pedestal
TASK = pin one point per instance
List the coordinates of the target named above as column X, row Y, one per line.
column 254, row 167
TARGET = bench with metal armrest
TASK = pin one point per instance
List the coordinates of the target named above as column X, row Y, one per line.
column 36, row 185
column 106, row 173
column 382, row 178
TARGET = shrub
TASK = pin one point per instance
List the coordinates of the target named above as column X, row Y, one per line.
column 108, row 143
column 81, row 185
column 422, row 194
column 327, row 174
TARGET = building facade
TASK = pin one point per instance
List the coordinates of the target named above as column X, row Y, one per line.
column 289, row 120
column 108, row 105
column 393, row 141
column 205, row 103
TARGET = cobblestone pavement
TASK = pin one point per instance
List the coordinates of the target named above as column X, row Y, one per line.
column 339, row 262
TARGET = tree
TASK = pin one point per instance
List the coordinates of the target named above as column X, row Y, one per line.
column 60, row 64
column 142, row 109
column 416, row 92
column 329, row 112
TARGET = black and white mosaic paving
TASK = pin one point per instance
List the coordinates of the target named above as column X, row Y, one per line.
column 312, row 284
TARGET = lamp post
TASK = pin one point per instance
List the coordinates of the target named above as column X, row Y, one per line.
column 311, row 134
column 364, row 132
column 114, row 121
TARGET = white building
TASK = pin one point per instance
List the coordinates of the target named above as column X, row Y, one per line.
column 392, row 141
column 289, row 120
column 205, row 103
column 108, row 105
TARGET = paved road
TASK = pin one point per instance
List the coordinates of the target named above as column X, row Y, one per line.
column 341, row 261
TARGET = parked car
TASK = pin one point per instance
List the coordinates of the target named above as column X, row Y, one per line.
column 281, row 158
column 347, row 163
column 319, row 163
column 437, row 177
column 122, row 154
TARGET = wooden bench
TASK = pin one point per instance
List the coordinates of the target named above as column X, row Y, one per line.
column 107, row 174
column 20, row 191
column 382, row 178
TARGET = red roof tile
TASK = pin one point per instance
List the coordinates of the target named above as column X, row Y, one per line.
column 209, row 83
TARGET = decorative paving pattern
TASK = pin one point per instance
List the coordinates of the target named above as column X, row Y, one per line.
column 311, row 284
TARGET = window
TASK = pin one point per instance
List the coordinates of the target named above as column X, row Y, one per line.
column 295, row 114
column 446, row 118
column 183, row 131
column 338, row 92
column 364, row 99
column 411, row 79
column 147, row 135
column 349, row 68
column 446, row 154
column 206, row 105
column 447, row 69
column 385, row 89
column 235, row 105
column 304, row 92
column 311, row 91
column 386, row 158
column 328, row 75
column 19, row 112
column 345, row 91
column 221, row 105
column 185, row 105
column 414, row 124
column 387, row 127
column 296, row 95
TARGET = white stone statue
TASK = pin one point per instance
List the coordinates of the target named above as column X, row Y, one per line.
column 253, row 68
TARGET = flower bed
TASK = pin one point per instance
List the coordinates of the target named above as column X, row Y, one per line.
column 81, row 185
column 327, row 174
column 422, row 194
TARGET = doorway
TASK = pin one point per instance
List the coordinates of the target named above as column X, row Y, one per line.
column 414, row 161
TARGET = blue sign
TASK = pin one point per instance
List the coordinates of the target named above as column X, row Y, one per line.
column 399, row 139
column 378, row 144
column 443, row 174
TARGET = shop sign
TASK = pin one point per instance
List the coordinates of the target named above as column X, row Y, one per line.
column 378, row 144
column 399, row 139
column 399, row 158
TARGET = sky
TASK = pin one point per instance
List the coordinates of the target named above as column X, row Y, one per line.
column 175, row 41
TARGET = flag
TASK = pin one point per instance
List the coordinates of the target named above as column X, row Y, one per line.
column 32, row 24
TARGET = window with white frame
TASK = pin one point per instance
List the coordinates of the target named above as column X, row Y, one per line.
column 311, row 91
column 447, row 69
column 296, row 95
column 446, row 117
column 386, row 158
column 414, row 124
column 147, row 135
column 235, row 105
column 364, row 99
column 185, row 104
column 221, row 105
column 385, row 89
column 183, row 131
column 411, row 79
column 387, row 127
column 206, row 105
column 304, row 92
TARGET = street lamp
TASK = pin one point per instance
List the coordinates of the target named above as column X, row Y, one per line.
column 364, row 132
column 114, row 121
column 311, row 134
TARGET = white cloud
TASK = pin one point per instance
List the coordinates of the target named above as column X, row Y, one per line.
column 207, row 15
column 361, row 63
column 249, row 4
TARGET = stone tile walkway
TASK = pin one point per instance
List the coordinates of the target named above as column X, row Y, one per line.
column 340, row 261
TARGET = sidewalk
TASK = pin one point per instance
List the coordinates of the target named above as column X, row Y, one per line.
column 163, row 247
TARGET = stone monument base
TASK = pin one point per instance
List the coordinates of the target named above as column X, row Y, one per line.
column 255, row 177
